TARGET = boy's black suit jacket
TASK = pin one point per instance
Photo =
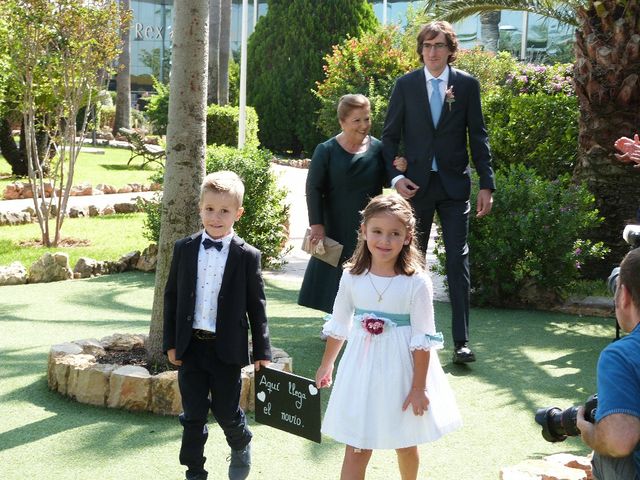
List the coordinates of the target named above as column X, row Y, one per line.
column 241, row 302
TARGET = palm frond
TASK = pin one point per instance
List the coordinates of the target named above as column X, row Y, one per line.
column 456, row 10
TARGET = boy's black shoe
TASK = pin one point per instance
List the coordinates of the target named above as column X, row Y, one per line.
column 240, row 463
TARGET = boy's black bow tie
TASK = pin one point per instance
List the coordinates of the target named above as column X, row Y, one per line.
column 208, row 243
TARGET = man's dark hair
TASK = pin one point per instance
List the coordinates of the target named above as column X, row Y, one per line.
column 431, row 31
column 630, row 275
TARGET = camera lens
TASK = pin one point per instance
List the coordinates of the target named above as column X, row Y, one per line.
column 559, row 424
column 550, row 419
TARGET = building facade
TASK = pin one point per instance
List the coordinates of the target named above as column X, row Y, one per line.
column 151, row 34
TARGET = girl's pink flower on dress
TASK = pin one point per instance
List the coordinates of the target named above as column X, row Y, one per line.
column 449, row 96
column 372, row 324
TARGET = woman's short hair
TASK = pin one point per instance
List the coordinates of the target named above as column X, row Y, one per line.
column 431, row 31
column 350, row 102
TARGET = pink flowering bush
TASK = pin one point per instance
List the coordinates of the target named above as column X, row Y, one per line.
column 368, row 65
column 550, row 79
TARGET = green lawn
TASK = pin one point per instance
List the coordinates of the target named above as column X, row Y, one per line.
column 110, row 168
column 526, row 360
column 104, row 238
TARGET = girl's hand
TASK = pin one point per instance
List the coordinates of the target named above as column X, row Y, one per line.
column 400, row 164
column 171, row 354
column 418, row 400
column 324, row 376
column 260, row 363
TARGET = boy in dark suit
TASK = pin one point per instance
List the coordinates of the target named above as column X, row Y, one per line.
column 214, row 294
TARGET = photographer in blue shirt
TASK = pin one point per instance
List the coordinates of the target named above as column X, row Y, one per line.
column 615, row 436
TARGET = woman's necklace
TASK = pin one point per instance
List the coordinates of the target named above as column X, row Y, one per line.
column 380, row 293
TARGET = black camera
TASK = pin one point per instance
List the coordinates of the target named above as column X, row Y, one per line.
column 559, row 424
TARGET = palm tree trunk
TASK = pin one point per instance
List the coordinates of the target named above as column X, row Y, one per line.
column 186, row 148
column 489, row 31
column 608, row 88
column 123, row 79
column 225, row 52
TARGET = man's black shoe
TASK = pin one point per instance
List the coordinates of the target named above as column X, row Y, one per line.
column 463, row 354
column 196, row 476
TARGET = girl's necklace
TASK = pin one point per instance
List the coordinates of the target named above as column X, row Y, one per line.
column 380, row 293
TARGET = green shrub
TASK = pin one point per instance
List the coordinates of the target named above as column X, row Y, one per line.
column 286, row 49
column 234, row 82
column 265, row 222
column 137, row 119
column 158, row 108
column 529, row 249
column 537, row 130
column 222, row 126
column 107, row 116
column 489, row 68
column 151, row 223
column 368, row 65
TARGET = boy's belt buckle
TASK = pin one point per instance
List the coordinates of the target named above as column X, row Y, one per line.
column 203, row 334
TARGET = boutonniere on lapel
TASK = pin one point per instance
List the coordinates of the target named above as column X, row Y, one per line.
column 449, row 96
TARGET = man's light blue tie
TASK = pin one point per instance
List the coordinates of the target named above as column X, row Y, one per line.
column 436, row 107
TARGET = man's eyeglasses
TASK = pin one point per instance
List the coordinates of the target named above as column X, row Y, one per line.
column 435, row 46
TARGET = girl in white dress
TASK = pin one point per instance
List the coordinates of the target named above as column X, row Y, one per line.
column 390, row 390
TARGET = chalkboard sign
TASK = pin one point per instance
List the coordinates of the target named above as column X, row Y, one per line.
column 288, row 402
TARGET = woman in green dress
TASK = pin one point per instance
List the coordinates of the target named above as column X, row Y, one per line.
column 345, row 172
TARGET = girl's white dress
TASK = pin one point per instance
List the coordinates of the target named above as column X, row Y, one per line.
column 375, row 373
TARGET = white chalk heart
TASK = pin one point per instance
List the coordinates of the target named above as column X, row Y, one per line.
column 313, row 390
column 261, row 396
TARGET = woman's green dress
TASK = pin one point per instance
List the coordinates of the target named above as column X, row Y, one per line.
column 339, row 186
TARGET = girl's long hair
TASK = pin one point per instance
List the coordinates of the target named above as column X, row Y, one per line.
column 411, row 259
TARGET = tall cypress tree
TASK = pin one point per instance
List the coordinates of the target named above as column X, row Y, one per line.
column 285, row 61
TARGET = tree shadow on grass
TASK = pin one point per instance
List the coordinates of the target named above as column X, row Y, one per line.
column 105, row 301
column 134, row 167
column 528, row 353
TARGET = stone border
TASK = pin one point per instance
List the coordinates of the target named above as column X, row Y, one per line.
column 28, row 214
column 20, row 190
column 560, row 466
column 292, row 162
column 73, row 371
column 54, row 267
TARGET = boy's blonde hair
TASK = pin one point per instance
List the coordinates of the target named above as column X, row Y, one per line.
column 411, row 259
column 223, row 181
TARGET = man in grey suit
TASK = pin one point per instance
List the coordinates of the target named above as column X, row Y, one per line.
column 435, row 113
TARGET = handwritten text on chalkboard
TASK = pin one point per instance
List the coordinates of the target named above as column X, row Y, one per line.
column 288, row 402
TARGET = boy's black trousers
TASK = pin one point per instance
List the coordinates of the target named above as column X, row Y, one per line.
column 208, row 383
